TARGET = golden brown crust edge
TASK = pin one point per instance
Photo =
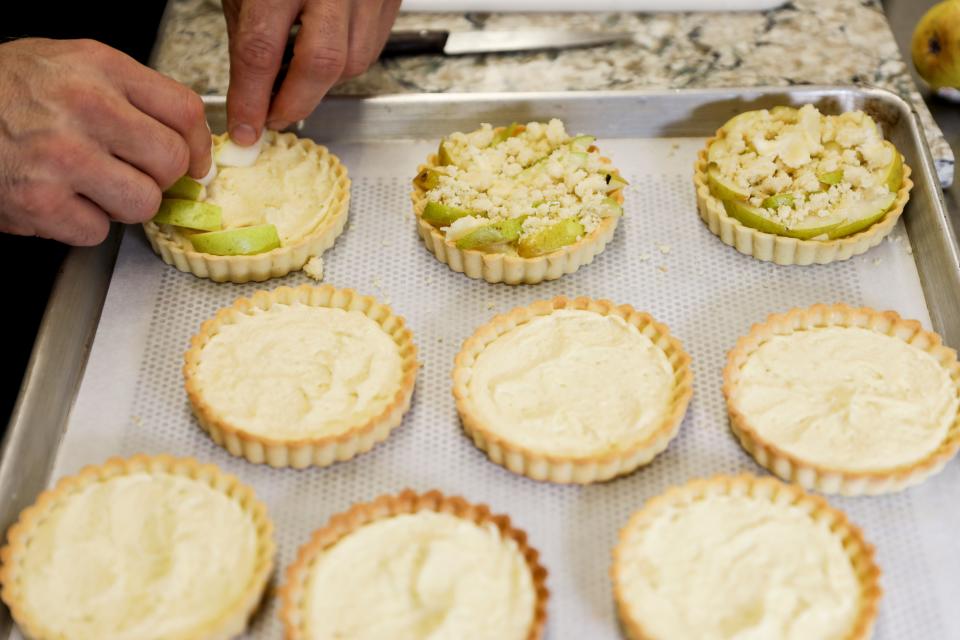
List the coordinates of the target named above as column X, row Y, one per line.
column 570, row 469
column 272, row 264
column 860, row 552
column 293, row 590
column 811, row 475
column 497, row 267
column 321, row 450
column 781, row 249
column 231, row 623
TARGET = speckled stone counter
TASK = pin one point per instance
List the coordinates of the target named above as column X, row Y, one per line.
column 803, row 42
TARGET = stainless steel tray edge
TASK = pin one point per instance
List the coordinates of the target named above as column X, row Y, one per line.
column 70, row 322
column 52, row 379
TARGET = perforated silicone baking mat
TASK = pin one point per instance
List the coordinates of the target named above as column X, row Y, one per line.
column 663, row 260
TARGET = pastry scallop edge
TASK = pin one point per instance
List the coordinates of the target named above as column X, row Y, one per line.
column 498, row 267
column 322, row 450
column 783, row 250
column 573, row 469
column 860, row 553
column 231, row 623
column 813, row 476
column 272, row 264
column 293, row 591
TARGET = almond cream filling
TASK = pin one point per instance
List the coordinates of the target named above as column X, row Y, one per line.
column 298, row 371
column 421, row 576
column 847, row 398
column 138, row 557
column 290, row 186
column 738, row 568
column 572, row 383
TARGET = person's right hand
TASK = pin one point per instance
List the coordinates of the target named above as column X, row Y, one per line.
column 88, row 135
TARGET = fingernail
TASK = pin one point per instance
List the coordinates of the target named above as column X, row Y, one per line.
column 277, row 125
column 244, row 135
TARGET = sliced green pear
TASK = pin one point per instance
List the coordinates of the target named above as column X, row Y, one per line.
column 443, row 215
column 831, row 177
column 757, row 218
column 427, row 179
column 614, row 182
column 716, row 151
column 243, row 241
column 724, row 189
column 610, row 208
column 189, row 214
column 862, row 215
column 231, row 154
column 445, row 155
column 501, row 135
column 892, row 174
column 186, row 188
column 551, row 238
column 492, row 234
column 745, row 117
column 582, row 143
column 777, row 200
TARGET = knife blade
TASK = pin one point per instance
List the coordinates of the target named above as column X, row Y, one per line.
column 457, row 43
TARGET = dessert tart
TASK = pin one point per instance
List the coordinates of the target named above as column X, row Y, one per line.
column 254, row 222
column 143, row 548
column 572, row 391
column 743, row 557
column 415, row 567
column 845, row 400
column 794, row 186
column 301, row 376
column 517, row 204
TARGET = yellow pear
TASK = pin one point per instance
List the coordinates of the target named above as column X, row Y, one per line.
column 936, row 45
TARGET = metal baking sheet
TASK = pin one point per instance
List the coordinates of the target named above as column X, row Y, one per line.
column 129, row 397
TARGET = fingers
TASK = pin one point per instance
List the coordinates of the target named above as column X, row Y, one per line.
column 147, row 144
column 320, row 55
column 58, row 214
column 388, row 15
column 121, row 191
column 80, row 223
column 364, row 37
column 174, row 105
column 257, row 42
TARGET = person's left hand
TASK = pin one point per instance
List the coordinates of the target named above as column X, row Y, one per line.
column 338, row 39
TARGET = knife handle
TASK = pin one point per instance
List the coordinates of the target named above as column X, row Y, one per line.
column 411, row 43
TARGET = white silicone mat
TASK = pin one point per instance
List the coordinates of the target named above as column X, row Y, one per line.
column 662, row 260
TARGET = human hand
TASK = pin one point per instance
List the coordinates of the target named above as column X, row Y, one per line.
column 338, row 39
column 88, row 135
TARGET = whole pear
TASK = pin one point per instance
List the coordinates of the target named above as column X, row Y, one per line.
column 936, row 45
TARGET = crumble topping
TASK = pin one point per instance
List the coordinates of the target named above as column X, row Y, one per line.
column 541, row 174
column 813, row 164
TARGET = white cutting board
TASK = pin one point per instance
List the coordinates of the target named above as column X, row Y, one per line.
column 559, row 6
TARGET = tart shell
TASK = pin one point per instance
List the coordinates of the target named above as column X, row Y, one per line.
column 572, row 469
column 861, row 553
column 230, row 623
column 814, row 476
column 320, row 450
column 293, row 592
column 272, row 264
column 511, row 269
column 781, row 249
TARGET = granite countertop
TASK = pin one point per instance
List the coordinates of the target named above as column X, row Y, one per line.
column 803, row 42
